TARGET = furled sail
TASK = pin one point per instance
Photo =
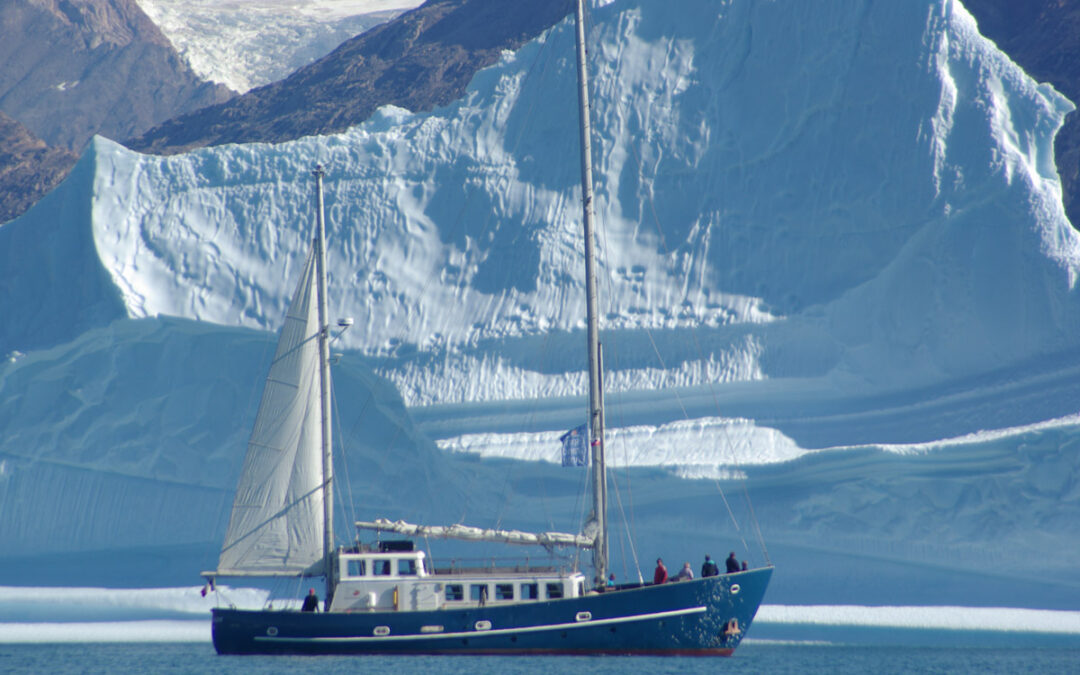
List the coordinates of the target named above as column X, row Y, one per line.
column 545, row 539
column 276, row 526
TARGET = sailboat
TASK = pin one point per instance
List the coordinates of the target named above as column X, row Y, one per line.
column 388, row 596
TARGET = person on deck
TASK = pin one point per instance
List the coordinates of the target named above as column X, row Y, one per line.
column 311, row 602
column 732, row 563
column 660, row 575
column 709, row 568
column 685, row 574
column 611, row 581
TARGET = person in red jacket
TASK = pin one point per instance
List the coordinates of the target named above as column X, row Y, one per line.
column 660, row 575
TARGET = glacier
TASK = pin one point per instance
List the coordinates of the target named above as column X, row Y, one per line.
column 244, row 44
column 839, row 296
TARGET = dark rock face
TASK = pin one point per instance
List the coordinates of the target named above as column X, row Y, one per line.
column 420, row 60
column 70, row 69
column 1043, row 37
column 28, row 168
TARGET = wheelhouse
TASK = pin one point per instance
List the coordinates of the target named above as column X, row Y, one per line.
column 394, row 577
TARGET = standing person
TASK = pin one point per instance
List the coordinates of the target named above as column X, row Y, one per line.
column 685, row 574
column 660, row 575
column 732, row 563
column 311, row 602
column 709, row 568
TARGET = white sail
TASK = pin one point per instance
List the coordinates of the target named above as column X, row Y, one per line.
column 276, row 526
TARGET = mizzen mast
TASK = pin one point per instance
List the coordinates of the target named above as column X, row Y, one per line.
column 596, row 394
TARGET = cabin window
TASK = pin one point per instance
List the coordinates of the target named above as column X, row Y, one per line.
column 530, row 591
column 406, row 567
column 478, row 592
column 382, row 568
column 454, row 592
column 356, row 568
column 554, row 591
column 504, row 591
column 580, row 588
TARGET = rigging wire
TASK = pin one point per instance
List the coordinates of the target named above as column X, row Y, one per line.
column 347, row 505
column 694, row 329
column 734, row 458
column 543, row 58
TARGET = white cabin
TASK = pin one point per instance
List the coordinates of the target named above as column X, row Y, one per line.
column 403, row 580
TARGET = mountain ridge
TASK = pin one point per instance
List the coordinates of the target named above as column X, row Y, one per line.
column 85, row 67
column 421, row 59
column 70, row 69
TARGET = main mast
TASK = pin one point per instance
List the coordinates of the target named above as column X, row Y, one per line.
column 324, row 388
column 596, row 395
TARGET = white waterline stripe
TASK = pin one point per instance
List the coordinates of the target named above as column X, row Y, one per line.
column 496, row 631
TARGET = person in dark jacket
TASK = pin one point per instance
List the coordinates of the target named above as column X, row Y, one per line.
column 709, row 568
column 660, row 575
column 732, row 563
column 311, row 602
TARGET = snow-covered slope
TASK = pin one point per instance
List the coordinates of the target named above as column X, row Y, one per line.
column 244, row 44
column 826, row 231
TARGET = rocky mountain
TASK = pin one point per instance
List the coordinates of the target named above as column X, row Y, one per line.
column 28, row 167
column 420, row 60
column 70, row 69
column 1043, row 37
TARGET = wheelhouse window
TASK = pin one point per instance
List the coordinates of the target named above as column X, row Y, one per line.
column 454, row 593
column 504, row 591
column 530, row 591
column 554, row 591
column 478, row 592
column 382, row 568
column 406, row 567
column 356, row 568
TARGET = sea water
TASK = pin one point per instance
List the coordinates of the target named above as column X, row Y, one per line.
column 752, row 657
column 168, row 631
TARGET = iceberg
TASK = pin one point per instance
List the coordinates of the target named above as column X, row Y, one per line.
column 840, row 278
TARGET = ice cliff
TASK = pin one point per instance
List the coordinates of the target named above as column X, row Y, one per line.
column 834, row 227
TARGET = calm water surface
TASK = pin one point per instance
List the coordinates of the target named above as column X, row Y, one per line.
column 751, row 658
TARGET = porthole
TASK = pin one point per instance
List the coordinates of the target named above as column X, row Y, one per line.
column 735, row 589
column 583, row 616
column 431, row 629
column 272, row 631
column 483, row 625
column 382, row 631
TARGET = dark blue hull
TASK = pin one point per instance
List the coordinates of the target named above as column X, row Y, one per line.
column 706, row 617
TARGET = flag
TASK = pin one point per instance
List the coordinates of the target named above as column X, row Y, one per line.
column 574, row 452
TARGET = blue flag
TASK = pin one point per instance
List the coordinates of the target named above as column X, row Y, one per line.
column 574, row 452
